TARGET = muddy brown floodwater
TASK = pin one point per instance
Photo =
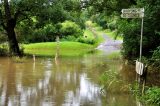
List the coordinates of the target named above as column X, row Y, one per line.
column 71, row 81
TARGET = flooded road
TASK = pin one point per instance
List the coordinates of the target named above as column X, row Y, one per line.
column 110, row 45
column 71, row 81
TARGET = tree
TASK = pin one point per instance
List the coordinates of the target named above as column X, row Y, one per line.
column 9, row 15
column 8, row 23
column 109, row 6
column 130, row 28
column 13, row 12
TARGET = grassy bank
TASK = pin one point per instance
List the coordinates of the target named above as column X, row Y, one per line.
column 49, row 48
column 99, row 30
column 93, row 36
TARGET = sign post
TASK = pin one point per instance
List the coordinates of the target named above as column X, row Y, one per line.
column 140, row 59
column 132, row 13
column 137, row 13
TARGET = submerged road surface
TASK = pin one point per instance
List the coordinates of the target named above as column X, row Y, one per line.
column 110, row 45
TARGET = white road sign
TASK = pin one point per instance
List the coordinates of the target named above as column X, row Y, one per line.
column 132, row 15
column 133, row 10
column 139, row 67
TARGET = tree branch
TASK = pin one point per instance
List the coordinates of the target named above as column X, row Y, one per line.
column 21, row 12
column 23, row 17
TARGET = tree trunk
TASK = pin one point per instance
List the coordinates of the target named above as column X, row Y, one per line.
column 13, row 44
column 12, row 40
column 10, row 25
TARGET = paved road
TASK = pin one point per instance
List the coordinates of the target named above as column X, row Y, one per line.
column 110, row 45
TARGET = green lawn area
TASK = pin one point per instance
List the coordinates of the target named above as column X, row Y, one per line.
column 88, row 33
column 67, row 48
column 49, row 48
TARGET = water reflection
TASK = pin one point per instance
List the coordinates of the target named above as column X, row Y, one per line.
column 70, row 82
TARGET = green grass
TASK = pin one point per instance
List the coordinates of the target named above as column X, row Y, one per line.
column 88, row 33
column 49, row 48
column 94, row 29
column 99, row 30
column 95, row 35
column 152, row 96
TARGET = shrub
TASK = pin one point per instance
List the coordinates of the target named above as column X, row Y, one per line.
column 156, row 54
column 3, row 38
column 86, row 40
column 70, row 28
column 131, row 38
column 3, row 52
column 45, row 34
column 153, row 96
column 112, row 25
column 156, row 59
column 4, row 49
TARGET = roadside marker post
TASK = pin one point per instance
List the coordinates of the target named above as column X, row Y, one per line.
column 137, row 13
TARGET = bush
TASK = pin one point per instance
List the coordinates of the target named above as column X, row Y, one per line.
column 45, row 34
column 4, row 49
column 70, row 28
column 156, row 54
column 131, row 37
column 86, row 40
column 156, row 59
column 3, row 38
column 112, row 25
column 153, row 96
column 67, row 30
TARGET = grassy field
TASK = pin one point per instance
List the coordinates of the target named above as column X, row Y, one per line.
column 50, row 49
column 66, row 48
